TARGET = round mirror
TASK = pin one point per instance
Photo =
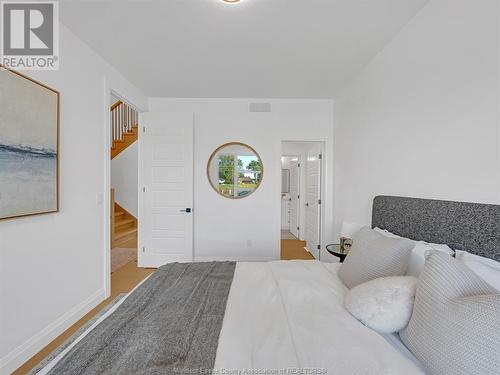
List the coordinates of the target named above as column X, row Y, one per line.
column 235, row 170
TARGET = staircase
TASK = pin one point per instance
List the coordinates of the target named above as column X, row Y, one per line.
column 123, row 226
column 124, row 132
column 124, row 127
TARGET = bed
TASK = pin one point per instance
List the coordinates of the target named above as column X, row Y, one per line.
column 275, row 317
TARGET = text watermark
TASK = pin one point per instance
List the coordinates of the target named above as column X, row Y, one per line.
column 29, row 35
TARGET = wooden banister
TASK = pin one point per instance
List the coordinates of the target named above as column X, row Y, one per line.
column 117, row 104
column 124, row 126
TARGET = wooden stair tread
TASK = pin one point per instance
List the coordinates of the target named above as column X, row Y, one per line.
column 125, row 232
column 128, row 139
column 119, row 223
column 125, row 135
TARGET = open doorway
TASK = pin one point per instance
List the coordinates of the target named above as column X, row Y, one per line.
column 124, row 182
column 301, row 189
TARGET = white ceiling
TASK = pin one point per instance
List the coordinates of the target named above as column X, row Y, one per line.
column 254, row 49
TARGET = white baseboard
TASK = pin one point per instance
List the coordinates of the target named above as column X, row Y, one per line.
column 29, row 348
column 234, row 259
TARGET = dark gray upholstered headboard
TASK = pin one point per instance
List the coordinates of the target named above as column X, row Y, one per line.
column 471, row 227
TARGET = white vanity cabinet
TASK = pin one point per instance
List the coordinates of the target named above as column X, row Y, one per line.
column 285, row 213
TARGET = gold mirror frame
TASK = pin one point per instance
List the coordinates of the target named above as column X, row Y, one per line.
column 234, row 144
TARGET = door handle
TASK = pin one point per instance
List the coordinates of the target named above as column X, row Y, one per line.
column 187, row 210
column 307, row 204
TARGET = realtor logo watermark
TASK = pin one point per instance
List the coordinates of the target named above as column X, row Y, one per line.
column 29, row 35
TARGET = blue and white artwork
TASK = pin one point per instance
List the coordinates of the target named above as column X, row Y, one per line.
column 29, row 115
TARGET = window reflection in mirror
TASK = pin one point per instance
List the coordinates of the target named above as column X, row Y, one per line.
column 235, row 170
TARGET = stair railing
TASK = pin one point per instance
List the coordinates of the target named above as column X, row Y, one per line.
column 123, row 118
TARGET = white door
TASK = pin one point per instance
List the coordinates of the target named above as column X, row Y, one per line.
column 165, row 212
column 294, row 198
column 313, row 201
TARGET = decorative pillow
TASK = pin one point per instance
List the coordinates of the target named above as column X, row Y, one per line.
column 454, row 328
column 486, row 268
column 372, row 256
column 417, row 257
column 384, row 304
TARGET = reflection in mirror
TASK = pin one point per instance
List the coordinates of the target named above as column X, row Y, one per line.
column 235, row 170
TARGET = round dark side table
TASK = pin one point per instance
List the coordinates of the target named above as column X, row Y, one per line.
column 334, row 249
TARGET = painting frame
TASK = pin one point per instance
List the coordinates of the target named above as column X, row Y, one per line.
column 57, row 148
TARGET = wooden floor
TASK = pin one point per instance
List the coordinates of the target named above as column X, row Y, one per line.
column 294, row 249
column 130, row 243
column 287, row 235
column 123, row 280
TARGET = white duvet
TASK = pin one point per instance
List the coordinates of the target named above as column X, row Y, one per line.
column 290, row 315
column 287, row 317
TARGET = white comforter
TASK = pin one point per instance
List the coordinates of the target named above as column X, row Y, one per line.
column 290, row 315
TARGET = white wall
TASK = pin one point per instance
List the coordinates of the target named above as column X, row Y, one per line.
column 249, row 228
column 422, row 118
column 124, row 178
column 52, row 267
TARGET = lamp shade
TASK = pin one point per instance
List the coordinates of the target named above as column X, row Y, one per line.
column 349, row 229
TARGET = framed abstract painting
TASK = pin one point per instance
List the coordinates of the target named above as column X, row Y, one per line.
column 29, row 146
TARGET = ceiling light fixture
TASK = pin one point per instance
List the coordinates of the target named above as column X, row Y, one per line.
column 231, row 1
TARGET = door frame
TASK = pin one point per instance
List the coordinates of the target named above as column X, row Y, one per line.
column 323, row 147
column 105, row 197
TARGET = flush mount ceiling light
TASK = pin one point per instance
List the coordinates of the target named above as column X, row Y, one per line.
column 231, row 1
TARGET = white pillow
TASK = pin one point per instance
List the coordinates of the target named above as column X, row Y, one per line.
column 420, row 251
column 486, row 268
column 384, row 304
column 417, row 257
column 386, row 233
column 372, row 256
